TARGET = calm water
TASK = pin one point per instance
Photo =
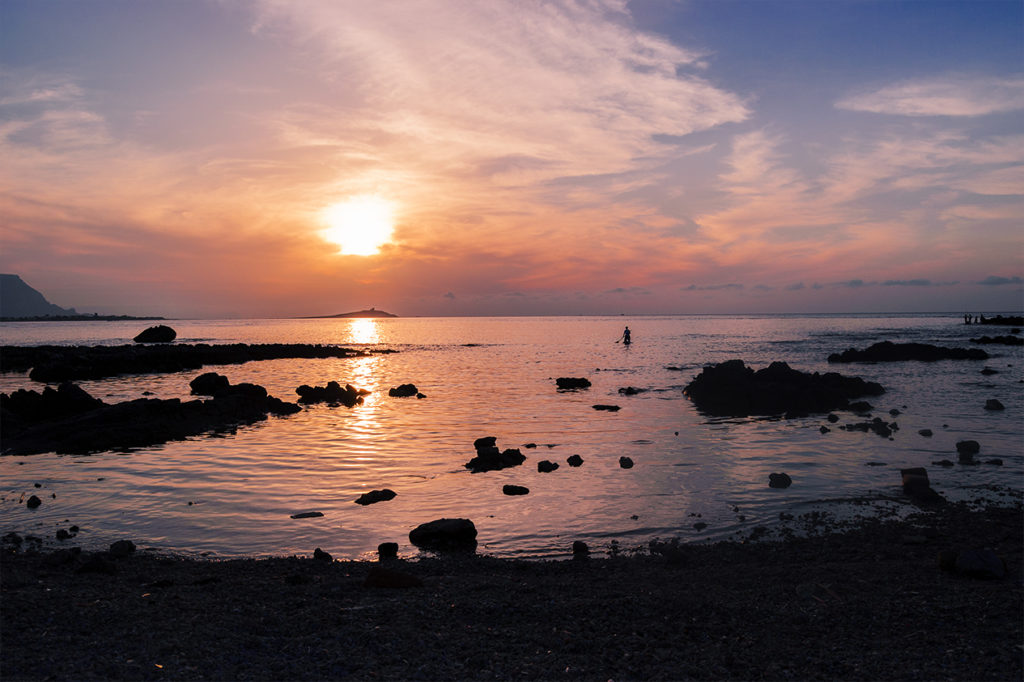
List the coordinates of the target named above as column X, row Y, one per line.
column 495, row 376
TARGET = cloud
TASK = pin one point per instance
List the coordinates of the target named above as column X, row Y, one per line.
column 995, row 281
column 947, row 96
column 449, row 295
column 795, row 287
column 712, row 287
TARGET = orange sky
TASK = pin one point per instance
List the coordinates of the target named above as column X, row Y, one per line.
column 541, row 157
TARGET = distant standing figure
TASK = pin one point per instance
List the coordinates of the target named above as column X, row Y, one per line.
column 625, row 337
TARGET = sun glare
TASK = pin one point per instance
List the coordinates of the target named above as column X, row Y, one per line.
column 360, row 225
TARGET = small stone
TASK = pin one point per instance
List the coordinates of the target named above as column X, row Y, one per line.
column 387, row 550
column 625, row 462
column 544, row 466
column 894, row 412
column 63, row 534
column 515, row 490
column 307, row 515
column 993, row 404
column 824, row 429
column 580, row 549
column 779, row 481
column 833, row 418
column 927, row 433
column 33, row 502
column 376, row 496
column 607, row 408
column 574, row 461
column 995, row 460
column 321, row 555
column 700, row 525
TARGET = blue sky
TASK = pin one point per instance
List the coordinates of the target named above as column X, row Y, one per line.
column 601, row 156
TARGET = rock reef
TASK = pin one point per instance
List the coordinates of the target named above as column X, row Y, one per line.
column 733, row 389
column 887, row 351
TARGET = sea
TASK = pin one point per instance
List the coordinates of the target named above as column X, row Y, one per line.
column 695, row 478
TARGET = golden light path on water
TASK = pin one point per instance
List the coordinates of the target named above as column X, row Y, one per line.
column 495, row 377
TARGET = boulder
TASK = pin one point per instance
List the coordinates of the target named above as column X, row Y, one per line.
column 490, row 458
column 515, row 490
column 779, row 481
column 917, row 487
column 332, row 393
column 376, row 496
column 158, row 334
column 404, row 391
column 122, row 548
column 33, row 502
column 733, row 389
column 572, row 383
column 321, row 555
column 887, row 351
column 574, row 461
column 445, row 535
column 545, row 466
column 580, row 549
column 209, row 383
column 387, row 551
column 993, row 404
column 625, row 462
column 966, row 450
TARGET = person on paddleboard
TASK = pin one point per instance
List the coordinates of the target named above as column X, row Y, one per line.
column 625, row 337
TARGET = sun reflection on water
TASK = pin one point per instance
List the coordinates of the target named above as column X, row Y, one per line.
column 363, row 330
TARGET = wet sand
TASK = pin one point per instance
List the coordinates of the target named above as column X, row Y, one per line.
column 869, row 603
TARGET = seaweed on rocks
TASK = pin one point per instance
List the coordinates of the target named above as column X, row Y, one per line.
column 733, row 389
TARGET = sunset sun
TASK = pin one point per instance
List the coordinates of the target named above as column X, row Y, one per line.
column 360, row 225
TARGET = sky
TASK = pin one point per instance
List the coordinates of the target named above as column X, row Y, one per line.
column 193, row 158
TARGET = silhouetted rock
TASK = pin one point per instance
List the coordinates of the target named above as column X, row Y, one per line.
column 376, row 496
column 966, row 450
column 574, row 461
column 33, row 502
column 54, row 364
column 307, row 515
column 332, row 393
column 887, row 351
column 445, row 535
column 824, row 429
column 733, row 389
column 580, row 549
column 79, row 423
column 490, row 458
column 994, row 405
column 833, row 418
column 927, row 433
column 607, row 408
column 161, row 333
column 515, row 490
column 545, row 466
column 631, row 390
column 625, row 462
column 876, row 425
column 122, row 548
column 389, row 578
column 779, row 481
column 988, row 371
column 403, row 391
column 917, row 487
column 387, row 551
column 209, row 383
column 860, row 407
column 321, row 555
column 572, row 383
column 995, row 460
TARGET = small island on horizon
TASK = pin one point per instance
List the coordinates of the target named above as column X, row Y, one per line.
column 372, row 312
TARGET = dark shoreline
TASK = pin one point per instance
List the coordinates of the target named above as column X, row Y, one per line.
column 870, row 603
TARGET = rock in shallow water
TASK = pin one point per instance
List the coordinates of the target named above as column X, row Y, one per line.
column 779, row 481
column 376, row 496
column 445, row 535
column 161, row 333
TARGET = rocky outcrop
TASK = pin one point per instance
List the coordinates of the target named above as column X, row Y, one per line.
column 490, row 458
column 69, row 420
column 887, row 351
column 332, row 393
column 54, row 364
column 161, row 333
column 445, row 535
column 733, row 389
column 403, row 391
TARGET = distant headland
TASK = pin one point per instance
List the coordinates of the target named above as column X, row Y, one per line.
column 21, row 303
column 372, row 312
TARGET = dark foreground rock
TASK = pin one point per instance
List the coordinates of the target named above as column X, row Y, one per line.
column 445, row 535
column 733, row 389
column 887, row 351
column 54, row 364
column 862, row 605
column 572, row 383
column 69, row 420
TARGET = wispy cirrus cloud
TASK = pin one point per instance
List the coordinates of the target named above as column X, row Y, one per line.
column 958, row 95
